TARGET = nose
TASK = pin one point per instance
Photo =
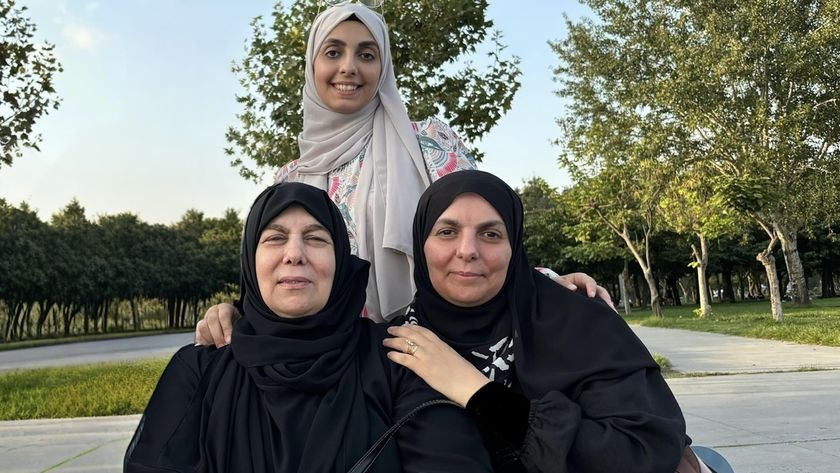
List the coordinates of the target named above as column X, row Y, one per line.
column 348, row 65
column 295, row 253
column 467, row 249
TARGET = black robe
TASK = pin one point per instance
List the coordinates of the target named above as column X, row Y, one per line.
column 439, row 439
column 309, row 393
column 574, row 389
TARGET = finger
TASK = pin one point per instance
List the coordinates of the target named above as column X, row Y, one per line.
column 565, row 281
column 605, row 295
column 199, row 339
column 591, row 288
column 403, row 359
column 413, row 332
column 227, row 316
column 202, row 334
column 211, row 318
column 395, row 343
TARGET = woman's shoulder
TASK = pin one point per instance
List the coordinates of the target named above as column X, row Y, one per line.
column 443, row 150
column 287, row 173
column 190, row 363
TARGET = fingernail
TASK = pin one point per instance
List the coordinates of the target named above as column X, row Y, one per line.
column 227, row 339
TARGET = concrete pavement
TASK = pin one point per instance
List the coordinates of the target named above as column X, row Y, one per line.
column 701, row 352
column 767, row 422
column 100, row 351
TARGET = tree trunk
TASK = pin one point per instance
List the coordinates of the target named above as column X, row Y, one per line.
column 105, row 309
column 674, row 289
column 741, row 287
column 827, row 288
column 787, row 237
column 622, row 288
column 728, row 293
column 701, row 259
column 134, row 320
column 769, row 261
column 655, row 303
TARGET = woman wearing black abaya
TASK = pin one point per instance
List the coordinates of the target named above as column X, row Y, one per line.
column 304, row 385
column 555, row 381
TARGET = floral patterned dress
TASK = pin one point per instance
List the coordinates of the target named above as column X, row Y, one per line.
column 443, row 151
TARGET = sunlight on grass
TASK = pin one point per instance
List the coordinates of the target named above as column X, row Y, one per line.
column 817, row 324
column 79, row 391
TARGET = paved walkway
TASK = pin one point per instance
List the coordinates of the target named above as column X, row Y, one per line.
column 118, row 349
column 763, row 423
column 692, row 352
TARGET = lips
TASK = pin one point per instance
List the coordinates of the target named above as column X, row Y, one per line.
column 294, row 282
column 466, row 274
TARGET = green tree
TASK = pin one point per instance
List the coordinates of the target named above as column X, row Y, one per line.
column 26, row 82
column 753, row 84
column 692, row 207
column 25, row 258
column 432, row 62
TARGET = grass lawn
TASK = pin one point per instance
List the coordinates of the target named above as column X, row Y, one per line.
column 818, row 324
column 124, row 388
column 79, row 391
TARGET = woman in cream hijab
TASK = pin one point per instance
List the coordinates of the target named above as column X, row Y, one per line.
column 359, row 145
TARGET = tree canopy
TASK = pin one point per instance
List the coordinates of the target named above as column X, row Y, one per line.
column 433, row 45
column 746, row 91
column 27, row 72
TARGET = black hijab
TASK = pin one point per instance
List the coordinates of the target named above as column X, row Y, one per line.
column 549, row 332
column 305, row 396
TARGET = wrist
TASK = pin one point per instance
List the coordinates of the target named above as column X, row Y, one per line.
column 472, row 386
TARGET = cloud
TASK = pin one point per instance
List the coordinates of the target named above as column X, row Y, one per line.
column 82, row 37
column 93, row 6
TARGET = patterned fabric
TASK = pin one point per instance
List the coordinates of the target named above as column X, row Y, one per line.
column 443, row 152
column 496, row 363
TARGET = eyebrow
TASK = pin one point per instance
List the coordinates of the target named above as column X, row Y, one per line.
column 455, row 223
column 363, row 44
column 314, row 227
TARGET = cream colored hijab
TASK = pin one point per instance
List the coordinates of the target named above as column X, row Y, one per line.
column 394, row 171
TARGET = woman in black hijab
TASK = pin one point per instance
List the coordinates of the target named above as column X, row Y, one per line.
column 554, row 380
column 304, row 385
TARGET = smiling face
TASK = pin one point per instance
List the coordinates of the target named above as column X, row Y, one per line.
column 468, row 252
column 347, row 68
column 295, row 263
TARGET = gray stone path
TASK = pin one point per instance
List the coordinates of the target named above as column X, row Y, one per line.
column 118, row 349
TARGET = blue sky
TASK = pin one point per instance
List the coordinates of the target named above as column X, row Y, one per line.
column 148, row 94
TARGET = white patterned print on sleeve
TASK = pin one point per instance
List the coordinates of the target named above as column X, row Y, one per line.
column 443, row 150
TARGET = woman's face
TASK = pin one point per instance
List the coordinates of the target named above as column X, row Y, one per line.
column 347, row 68
column 295, row 264
column 468, row 252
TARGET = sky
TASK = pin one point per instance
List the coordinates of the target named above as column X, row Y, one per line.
column 147, row 94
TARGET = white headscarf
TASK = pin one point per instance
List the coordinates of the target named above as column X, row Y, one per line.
column 393, row 176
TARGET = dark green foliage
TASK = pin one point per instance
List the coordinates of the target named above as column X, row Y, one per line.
column 76, row 276
column 432, row 44
column 26, row 82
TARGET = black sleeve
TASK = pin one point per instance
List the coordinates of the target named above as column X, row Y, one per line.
column 634, row 418
column 441, row 438
column 172, row 404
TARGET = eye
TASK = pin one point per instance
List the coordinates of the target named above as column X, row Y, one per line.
column 491, row 234
column 445, row 232
column 368, row 56
column 275, row 238
column 331, row 53
column 318, row 239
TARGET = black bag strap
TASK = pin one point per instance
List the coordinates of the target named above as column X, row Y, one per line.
column 372, row 454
